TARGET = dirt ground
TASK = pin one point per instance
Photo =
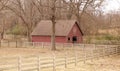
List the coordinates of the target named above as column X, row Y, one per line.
column 111, row 63
column 32, row 51
column 21, row 51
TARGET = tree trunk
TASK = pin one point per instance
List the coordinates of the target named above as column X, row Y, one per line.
column 29, row 37
column 3, row 29
column 53, row 35
column 53, row 18
column 29, row 34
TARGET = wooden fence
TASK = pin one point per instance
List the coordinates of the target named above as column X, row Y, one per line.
column 33, row 44
column 55, row 61
column 18, row 44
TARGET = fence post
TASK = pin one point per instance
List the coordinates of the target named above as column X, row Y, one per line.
column 95, row 47
column 103, row 51
column 33, row 43
column 16, row 44
column 85, row 56
column 110, row 50
column 96, row 50
column 73, row 46
column 42, row 44
column 8, row 43
column 116, row 50
column 75, row 58
column 21, row 43
column 66, row 60
column 83, row 47
column 54, row 66
column 106, row 50
column 19, row 63
column 63, row 47
column 92, row 56
column 39, row 64
column 24, row 44
column 84, row 51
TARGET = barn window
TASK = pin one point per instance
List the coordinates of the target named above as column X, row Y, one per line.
column 68, row 38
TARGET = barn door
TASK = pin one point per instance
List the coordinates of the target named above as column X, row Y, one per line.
column 74, row 39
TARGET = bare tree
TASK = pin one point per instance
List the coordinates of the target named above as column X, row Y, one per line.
column 2, row 24
column 71, row 7
column 78, row 7
column 2, row 28
column 49, row 10
column 26, row 11
column 2, row 4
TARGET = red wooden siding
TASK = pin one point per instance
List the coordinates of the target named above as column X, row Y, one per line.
column 75, row 31
column 67, row 32
column 48, row 39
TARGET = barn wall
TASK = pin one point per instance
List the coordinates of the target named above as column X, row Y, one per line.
column 48, row 39
column 75, row 31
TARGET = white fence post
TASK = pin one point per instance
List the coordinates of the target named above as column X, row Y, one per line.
column 33, row 44
column 73, row 46
column 103, row 50
column 42, row 44
column 16, row 44
column 66, row 60
column 75, row 58
column 39, row 64
column 106, row 50
column 63, row 46
column 92, row 54
column 54, row 66
column 116, row 50
column 85, row 56
column 19, row 63
column 109, row 50
column 0, row 43
column 8, row 44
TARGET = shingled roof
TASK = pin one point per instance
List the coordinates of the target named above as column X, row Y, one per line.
column 62, row 28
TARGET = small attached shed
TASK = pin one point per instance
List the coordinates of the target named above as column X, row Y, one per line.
column 66, row 31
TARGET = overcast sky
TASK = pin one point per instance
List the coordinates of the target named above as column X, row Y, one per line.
column 111, row 5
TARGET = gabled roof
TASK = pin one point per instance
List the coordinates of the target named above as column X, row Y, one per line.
column 62, row 27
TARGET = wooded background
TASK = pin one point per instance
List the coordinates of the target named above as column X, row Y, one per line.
column 19, row 17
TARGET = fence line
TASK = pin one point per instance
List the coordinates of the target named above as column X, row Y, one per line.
column 55, row 61
column 47, row 44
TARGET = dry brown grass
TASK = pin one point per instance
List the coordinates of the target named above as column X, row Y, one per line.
column 111, row 63
column 9, row 51
column 22, row 51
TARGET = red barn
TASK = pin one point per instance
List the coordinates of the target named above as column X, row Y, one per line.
column 67, row 31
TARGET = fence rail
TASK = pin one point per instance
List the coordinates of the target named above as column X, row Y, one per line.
column 82, row 52
column 47, row 44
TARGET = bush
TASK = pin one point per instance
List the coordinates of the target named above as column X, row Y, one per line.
column 17, row 30
column 108, row 37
